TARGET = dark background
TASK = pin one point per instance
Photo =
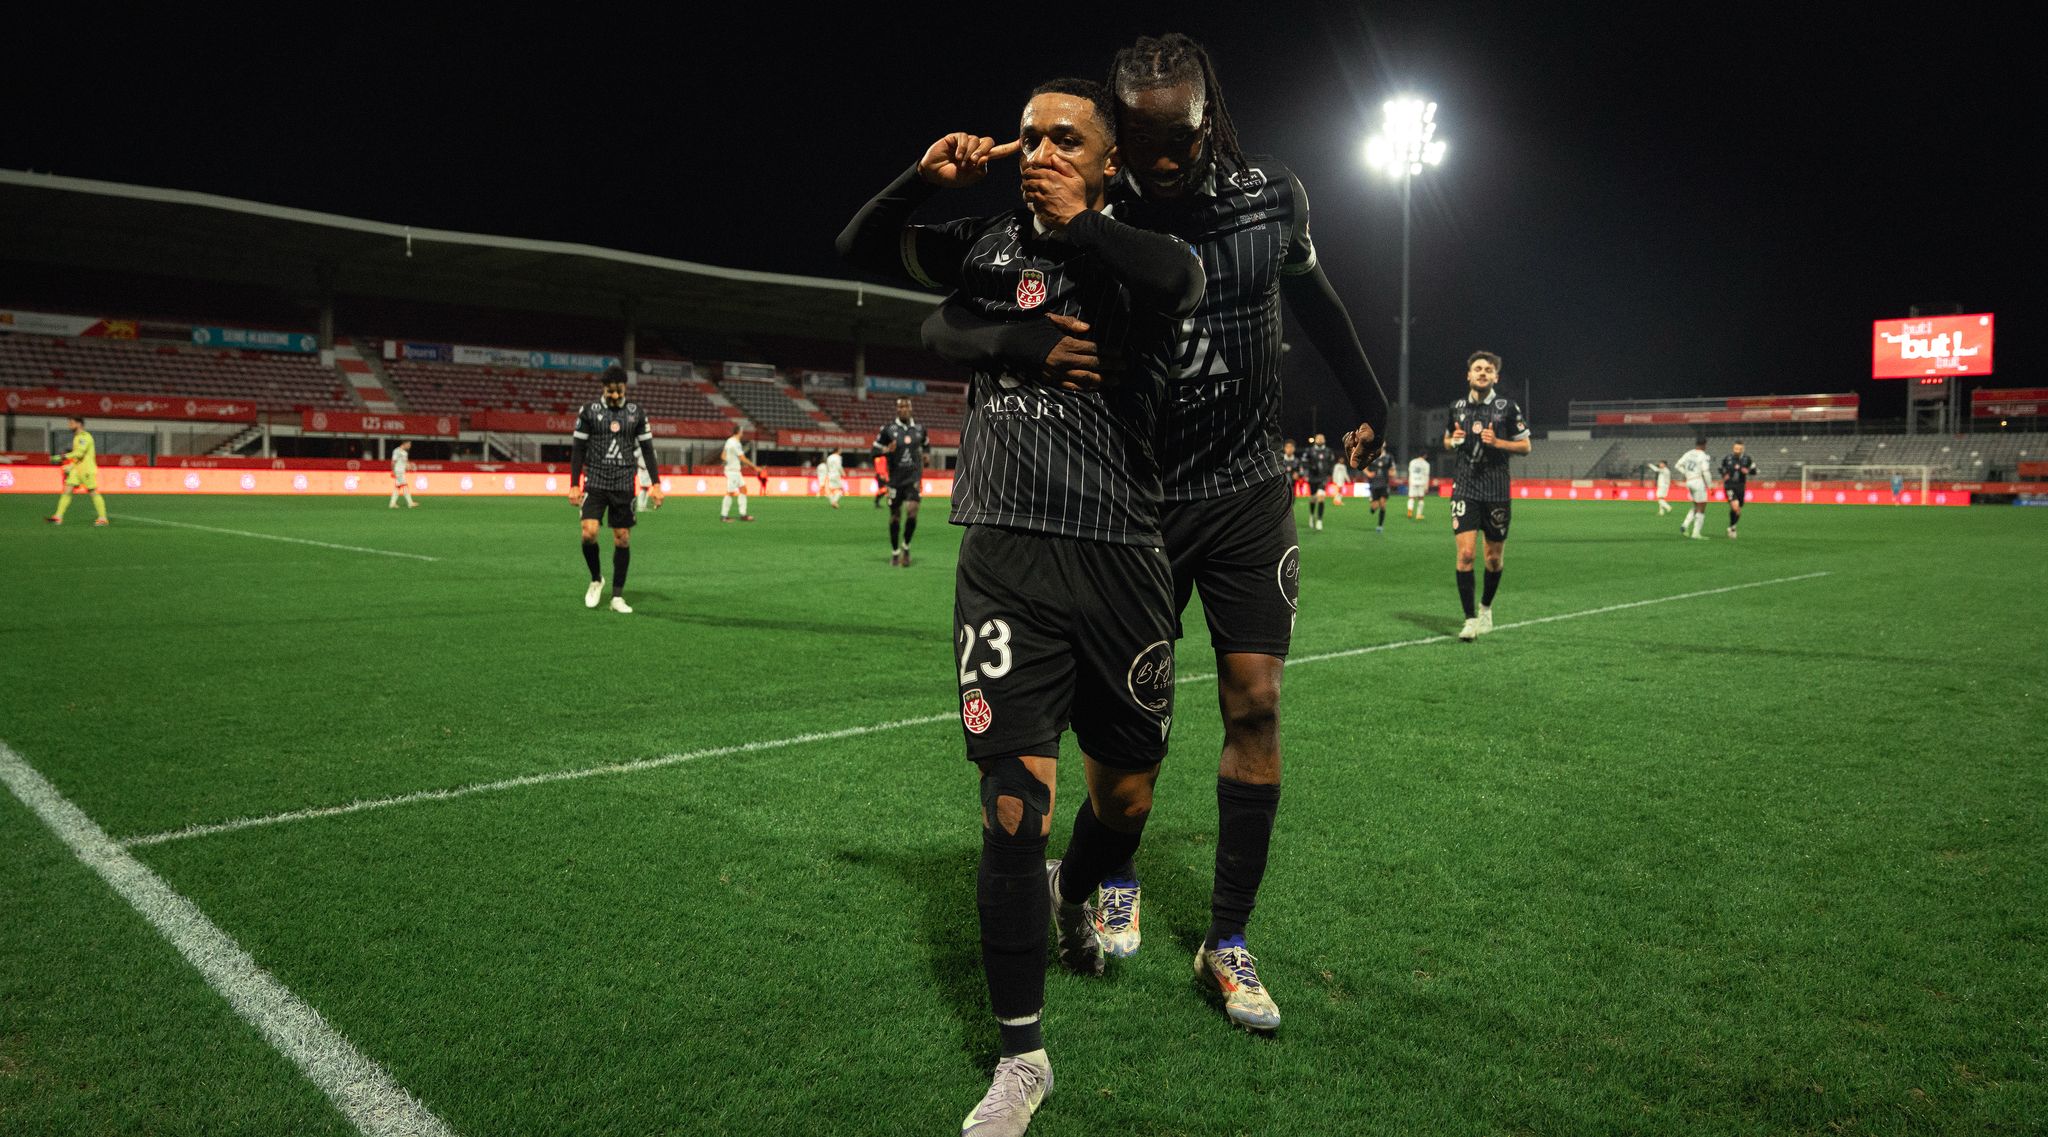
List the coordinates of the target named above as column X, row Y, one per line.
column 1694, row 202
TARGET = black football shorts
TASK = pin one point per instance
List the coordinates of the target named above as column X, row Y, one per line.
column 619, row 503
column 1240, row 551
column 1050, row 632
column 1488, row 517
column 900, row 492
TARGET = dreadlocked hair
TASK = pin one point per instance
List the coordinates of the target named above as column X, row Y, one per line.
column 1173, row 59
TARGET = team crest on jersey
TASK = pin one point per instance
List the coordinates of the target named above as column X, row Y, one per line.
column 1031, row 289
column 1249, row 181
column 975, row 713
column 615, row 427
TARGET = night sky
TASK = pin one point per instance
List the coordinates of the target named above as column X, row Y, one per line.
column 1634, row 204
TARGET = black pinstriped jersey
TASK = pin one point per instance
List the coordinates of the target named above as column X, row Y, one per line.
column 1378, row 472
column 611, row 438
column 1736, row 470
column 1222, row 428
column 1316, row 463
column 906, row 461
column 1482, row 471
column 1040, row 457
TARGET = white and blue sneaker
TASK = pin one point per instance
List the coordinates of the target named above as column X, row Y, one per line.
column 1020, row 1084
column 1230, row 970
column 1116, row 916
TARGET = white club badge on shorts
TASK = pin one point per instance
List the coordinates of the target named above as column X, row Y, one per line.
column 975, row 713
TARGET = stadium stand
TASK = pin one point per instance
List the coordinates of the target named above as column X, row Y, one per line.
column 456, row 388
column 936, row 409
column 277, row 383
column 771, row 405
column 1562, row 458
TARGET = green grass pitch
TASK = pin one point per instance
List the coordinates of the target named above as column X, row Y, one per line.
column 1766, row 860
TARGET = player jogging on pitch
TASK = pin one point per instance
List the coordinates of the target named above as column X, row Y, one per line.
column 601, row 469
column 1229, row 515
column 1483, row 430
column 1063, row 596
column 1736, row 470
column 1663, row 471
column 833, row 477
column 902, row 441
column 1695, row 466
column 81, row 473
column 735, row 457
column 1317, row 463
column 401, row 474
column 1379, row 482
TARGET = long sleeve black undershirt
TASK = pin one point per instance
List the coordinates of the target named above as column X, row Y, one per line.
column 1162, row 272
column 1018, row 347
column 576, row 446
column 647, row 456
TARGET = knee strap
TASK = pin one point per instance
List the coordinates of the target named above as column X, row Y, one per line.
column 1008, row 777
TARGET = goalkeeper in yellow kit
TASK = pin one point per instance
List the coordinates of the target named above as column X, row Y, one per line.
column 81, row 473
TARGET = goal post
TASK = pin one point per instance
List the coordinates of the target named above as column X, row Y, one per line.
column 1906, row 485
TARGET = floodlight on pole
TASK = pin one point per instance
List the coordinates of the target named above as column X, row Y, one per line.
column 1405, row 146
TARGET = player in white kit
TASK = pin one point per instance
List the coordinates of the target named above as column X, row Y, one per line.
column 1695, row 465
column 401, row 469
column 735, row 482
column 833, row 478
column 1418, row 487
column 1663, row 472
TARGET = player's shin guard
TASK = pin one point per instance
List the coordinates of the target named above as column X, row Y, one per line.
column 622, row 558
column 99, row 505
column 743, row 505
column 1092, row 852
column 895, row 532
column 1465, row 593
column 725, row 506
column 909, row 530
column 63, row 503
column 590, row 558
column 1492, row 586
column 1009, row 889
column 1244, row 831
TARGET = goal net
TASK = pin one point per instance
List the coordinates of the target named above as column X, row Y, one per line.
column 1906, row 484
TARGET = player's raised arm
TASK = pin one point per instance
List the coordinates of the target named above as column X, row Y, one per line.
column 880, row 237
column 1326, row 322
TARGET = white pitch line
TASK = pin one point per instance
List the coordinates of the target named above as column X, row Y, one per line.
column 274, row 537
column 207, row 830
column 526, row 780
column 361, row 1089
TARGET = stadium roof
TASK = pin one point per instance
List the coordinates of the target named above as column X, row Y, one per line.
column 176, row 233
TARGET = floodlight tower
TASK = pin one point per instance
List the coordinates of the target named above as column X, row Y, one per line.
column 1405, row 145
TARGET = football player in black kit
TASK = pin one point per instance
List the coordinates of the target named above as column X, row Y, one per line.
column 1736, row 470
column 612, row 437
column 903, row 441
column 1063, row 597
column 1316, row 464
column 1229, row 520
column 1483, row 430
column 1379, row 477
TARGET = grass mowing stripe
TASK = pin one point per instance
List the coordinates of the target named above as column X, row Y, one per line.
column 273, row 537
column 209, row 829
column 364, row 1093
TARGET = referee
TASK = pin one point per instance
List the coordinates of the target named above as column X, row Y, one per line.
column 602, row 467
column 1229, row 499
column 1063, row 597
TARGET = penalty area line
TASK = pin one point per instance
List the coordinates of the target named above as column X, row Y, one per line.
column 361, row 1089
column 274, row 537
column 209, row 829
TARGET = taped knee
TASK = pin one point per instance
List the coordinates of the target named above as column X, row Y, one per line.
column 1012, row 801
